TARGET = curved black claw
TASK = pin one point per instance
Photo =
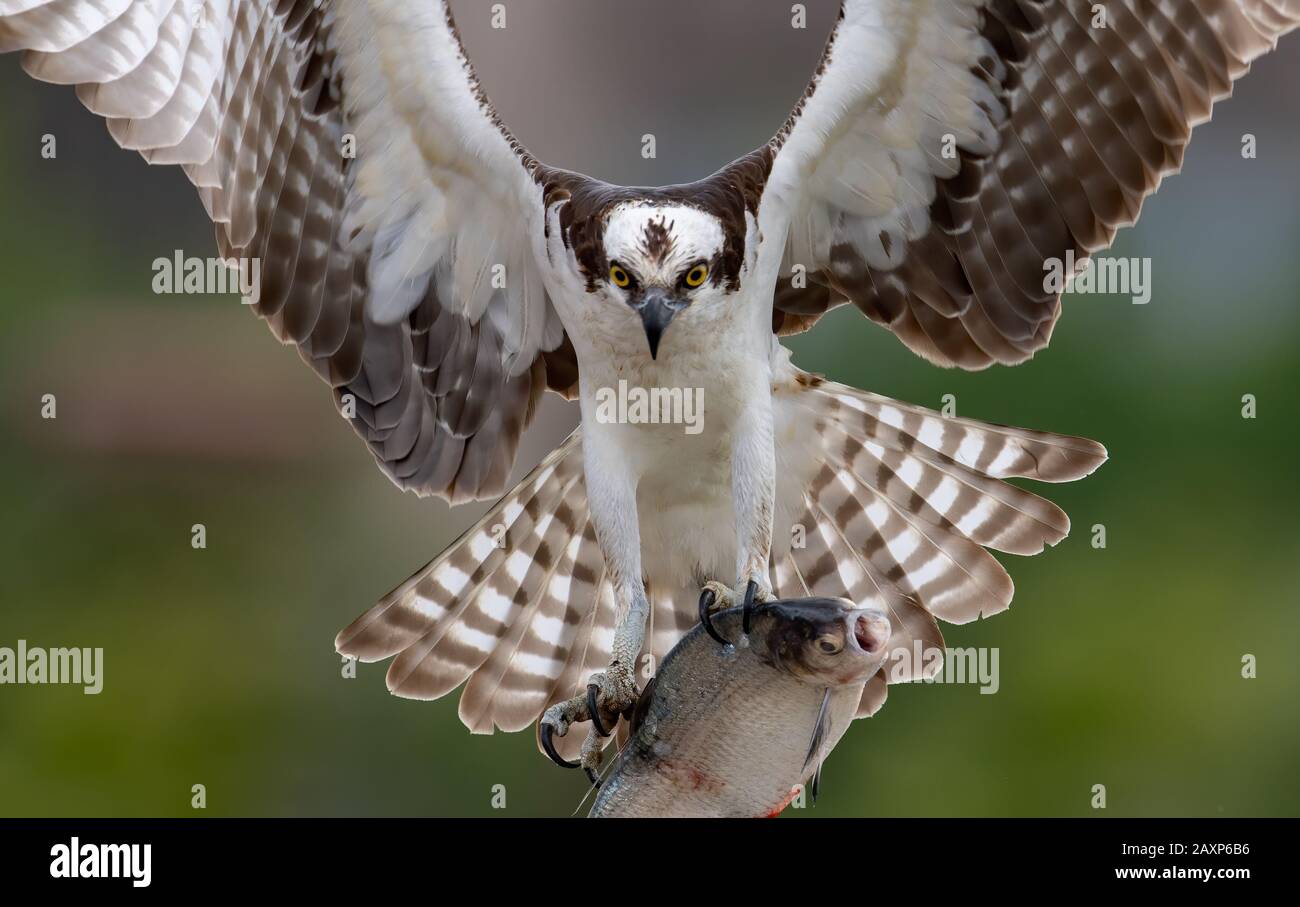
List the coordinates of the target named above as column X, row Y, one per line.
column 595, row 779
column 751, row 590
column 707, row 598
column 549, row 746
column 594, row 709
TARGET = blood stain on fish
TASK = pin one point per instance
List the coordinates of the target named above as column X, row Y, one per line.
column 780, row 807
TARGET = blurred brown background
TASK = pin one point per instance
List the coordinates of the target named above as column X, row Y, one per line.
column 1119, row 666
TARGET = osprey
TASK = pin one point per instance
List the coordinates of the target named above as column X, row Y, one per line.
column 440, row 278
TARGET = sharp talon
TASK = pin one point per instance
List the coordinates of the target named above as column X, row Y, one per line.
column 707, row 598
column 751, row 590
column 595, row 779
column 592, row 707
column 549, row 747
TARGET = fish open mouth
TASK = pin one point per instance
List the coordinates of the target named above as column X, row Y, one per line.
column 871, row 630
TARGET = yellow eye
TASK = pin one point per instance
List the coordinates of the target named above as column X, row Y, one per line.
column 696, row 275
column 618, row 276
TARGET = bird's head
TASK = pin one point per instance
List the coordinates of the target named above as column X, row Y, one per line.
column 661, row 260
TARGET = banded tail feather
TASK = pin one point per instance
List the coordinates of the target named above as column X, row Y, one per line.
column 518, row 609
column 903, row 502
column 446, row 621
column 897, row 503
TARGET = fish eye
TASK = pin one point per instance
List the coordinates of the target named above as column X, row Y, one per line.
column 619, row 277
column 829, row 644
column 696, row 275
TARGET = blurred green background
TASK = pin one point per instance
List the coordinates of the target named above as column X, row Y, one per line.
column 1119, row 666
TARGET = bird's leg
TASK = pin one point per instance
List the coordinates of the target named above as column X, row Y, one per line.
column 611, row 496
column 753, row 495
column 609, row 694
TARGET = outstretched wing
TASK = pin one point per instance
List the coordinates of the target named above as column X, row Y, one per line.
column 946, row 151
column 343, row 145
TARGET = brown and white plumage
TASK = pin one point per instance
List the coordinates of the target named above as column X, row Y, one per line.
column 944, row 152
column 1058, row 131
column 894, row 518
column 377, row 266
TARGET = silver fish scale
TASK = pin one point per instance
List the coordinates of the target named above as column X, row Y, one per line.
column 725, row 734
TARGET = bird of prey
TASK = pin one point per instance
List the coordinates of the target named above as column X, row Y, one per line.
column 440, row 278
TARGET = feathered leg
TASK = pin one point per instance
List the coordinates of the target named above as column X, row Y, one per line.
column 611, row 494
column 753, row 495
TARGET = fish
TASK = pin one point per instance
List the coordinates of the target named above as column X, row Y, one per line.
column 734, row 729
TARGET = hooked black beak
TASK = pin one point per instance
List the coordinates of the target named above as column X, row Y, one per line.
column 657, row 308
